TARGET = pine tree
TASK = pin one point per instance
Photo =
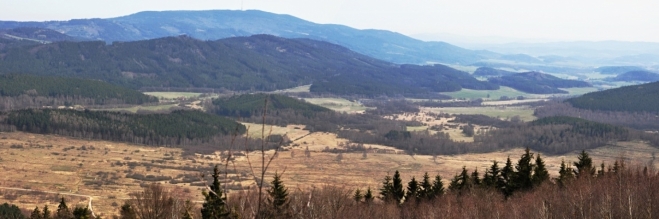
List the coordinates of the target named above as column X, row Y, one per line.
column 36, row 214
column 565, row 173
column 461, row 182
column 425, row 192
column 368, row 197
column 358, row 196
column 397, row 188
column 505, row 182
column 386, row 192
column 63, row 211
column 278, row 199
column 492, row 176
column 584, row 166
column 214, row 203
column 127, row 212
column 437, row 187
column 412, row 190
column 82, row 213
column 540, row 173
column 475, row 178
column 46, row 213
column 524, row 173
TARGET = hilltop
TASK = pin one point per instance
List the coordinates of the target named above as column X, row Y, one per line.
column 218, row 24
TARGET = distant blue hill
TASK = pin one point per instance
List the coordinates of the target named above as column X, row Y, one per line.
column 217, row 24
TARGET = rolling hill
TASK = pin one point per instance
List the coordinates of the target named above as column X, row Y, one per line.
column 255, row 63
column 537, row 83
column 218, row 24
column 491, row 72
column 636, row 98
column 637, row 75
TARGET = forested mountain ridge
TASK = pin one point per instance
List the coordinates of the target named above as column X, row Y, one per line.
column 537, row 83
column 19, row 91
column 258, row 63
column 23, row 36
column 217, row 24
column 636, row 98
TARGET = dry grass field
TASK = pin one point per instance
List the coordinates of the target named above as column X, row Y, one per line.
column 61, row 165
column 338, row 104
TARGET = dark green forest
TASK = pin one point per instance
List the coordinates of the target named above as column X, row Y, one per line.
column 13, row 85
column 248, row 105
column 256, row 63
column 537, row 83
column 174, row 129
column 635, row 98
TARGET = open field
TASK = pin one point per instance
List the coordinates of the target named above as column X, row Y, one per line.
column 525, row 113
column 300, row 89
column 173, row 95
column 494, row 94
column 134, row 109
column 100, row 168
column 338, row 104
column 579, row 90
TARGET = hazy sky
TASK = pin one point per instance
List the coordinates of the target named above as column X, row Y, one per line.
column 629, row 20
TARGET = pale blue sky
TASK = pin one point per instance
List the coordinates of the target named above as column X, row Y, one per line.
column 594, row 20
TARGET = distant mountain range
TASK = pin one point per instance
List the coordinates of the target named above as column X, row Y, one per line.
column 255, row 63
column 637, row 75
column 218, row 24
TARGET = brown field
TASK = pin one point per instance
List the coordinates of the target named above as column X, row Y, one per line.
column 57, row 164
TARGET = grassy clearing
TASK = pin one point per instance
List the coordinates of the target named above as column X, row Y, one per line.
column 173, row 95
column 525, row 113
column 580, row 90
column 30, row 167
column 134, row 109
column 494, row 94
column 292, row 131
column 338, row 104
column 300, row 89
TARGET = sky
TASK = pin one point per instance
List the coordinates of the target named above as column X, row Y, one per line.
column 555, row 20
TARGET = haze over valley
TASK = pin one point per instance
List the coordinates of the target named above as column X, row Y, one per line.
column 259, row 111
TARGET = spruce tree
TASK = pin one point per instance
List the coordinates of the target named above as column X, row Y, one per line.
column 475, row 178
column 63, row 211
column 412, row 190
column 368, row 197
column 82, row 213
column 46, row 213
column 565, row 173
column 425, row 190
column 278, row 199
column 437, row 187
column 386, row 192
column 584, row 166
column 127, row 212
column 492, row 176
column 36, row 214
column 397, row 188
column 506, row 184
column 540, row 173
column 214, row 203
column 358, row 196
column 524, row 171
column 461, row 182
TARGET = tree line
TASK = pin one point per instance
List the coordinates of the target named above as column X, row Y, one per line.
column 19, row 91
column 178, row 128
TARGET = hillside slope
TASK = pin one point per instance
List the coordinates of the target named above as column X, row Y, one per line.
column 256, row 63
column 537, row 83
column 636, row 98
column 217, row 24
